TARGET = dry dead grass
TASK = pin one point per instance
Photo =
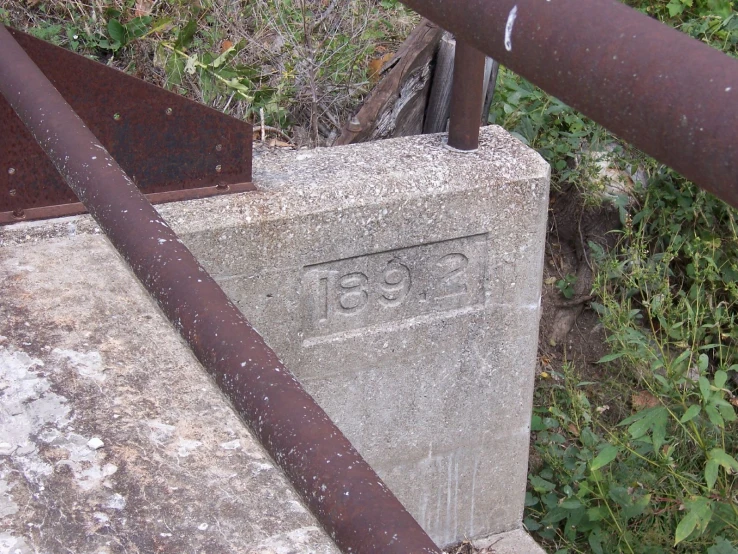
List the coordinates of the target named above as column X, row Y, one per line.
column 306, row 62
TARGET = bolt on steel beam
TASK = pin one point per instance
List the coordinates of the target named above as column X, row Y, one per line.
column 348, row 498
column 670, row 95
column 467, row 92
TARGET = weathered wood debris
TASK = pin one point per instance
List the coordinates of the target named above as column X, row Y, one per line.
column 414, row 94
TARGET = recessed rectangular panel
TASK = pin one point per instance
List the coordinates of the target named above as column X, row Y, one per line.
column 398, row 284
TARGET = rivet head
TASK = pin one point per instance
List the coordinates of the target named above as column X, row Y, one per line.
column 19, row 214
column 116, row 116
column 168, row 111
column 218, row 168
column 12, row 192
column 218, row 147
column 11, row 171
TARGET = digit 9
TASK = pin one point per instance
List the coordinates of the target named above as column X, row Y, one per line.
column 395, row 285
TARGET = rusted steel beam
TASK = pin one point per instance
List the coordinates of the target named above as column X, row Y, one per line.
column 346, row 495
column 172, row 147
column 668, row 94
column 467, row 93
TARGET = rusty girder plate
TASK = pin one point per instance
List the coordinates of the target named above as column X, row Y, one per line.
column 173, row 148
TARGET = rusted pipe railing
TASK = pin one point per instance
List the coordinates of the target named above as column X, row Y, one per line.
column 668, row 94
column 346, row 495
column 466, row 97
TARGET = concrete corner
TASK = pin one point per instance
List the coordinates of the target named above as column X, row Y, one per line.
column 401, row 283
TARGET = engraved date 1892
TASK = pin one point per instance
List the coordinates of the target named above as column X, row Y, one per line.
column 354, row 291
column 402, row 283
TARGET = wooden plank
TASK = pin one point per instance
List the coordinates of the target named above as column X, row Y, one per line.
column 397, row 104
column 439, row 104
column 489, row 92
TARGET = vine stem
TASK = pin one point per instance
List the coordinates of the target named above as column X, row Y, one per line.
column 197, row 63
column 612, row 515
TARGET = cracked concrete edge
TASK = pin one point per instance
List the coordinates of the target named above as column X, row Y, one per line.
column 517, row 541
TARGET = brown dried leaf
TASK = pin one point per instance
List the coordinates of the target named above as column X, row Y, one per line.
column 225, row 45
column 376, row 65
column 143, row 8
column 280, row 144
column 644, row 399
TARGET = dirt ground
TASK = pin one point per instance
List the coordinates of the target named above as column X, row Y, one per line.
column 585, row 343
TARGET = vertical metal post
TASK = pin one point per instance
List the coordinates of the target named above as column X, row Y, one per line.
column 466, row 97
column 668, row 94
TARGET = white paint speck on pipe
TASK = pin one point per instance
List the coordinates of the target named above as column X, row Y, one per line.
column 509, row 28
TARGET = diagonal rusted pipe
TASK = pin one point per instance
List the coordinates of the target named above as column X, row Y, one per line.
column 356, row 509
column 668, row 94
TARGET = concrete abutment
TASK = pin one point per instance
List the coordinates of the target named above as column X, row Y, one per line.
column 398, row 280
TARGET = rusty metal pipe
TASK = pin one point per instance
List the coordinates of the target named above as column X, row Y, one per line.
column 668, row 94
column 340, row 488
column 467, row 90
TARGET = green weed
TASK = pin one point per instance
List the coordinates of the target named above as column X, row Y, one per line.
column 566, row 285
column 661, row 480
column 655, row 471
column 561, row 135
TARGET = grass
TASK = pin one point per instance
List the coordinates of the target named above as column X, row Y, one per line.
column 304, row 64
column 668, row 297
column 651, row 466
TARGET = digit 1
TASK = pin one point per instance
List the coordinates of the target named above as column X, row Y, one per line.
column 324, row 301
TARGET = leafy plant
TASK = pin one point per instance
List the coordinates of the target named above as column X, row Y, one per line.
column 566, row 285
column 679, row 10
column 300, row 63
column 121, row 35
column 659, row 480
column 658, row 473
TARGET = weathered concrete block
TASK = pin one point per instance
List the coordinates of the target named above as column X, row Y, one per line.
column 401, row 282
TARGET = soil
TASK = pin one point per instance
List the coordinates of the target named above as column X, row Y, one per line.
column 582, row 343
column 467, row 548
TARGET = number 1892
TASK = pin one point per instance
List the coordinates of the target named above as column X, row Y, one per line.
column 397, row 284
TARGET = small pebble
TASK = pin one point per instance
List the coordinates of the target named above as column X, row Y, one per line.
column 95, row 443
column 5, row 448
column 203, row 526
